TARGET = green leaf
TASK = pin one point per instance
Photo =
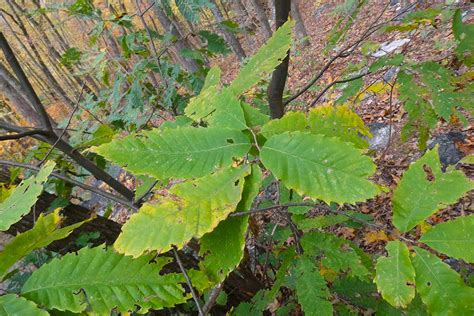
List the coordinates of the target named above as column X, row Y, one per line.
column 421, row 114
column 253, row 116
column 441, row 288
column 197, row 209
column 183, row 152
column 468, row 160
column 464, row 34
column 395, row 275
column 454, row 238
column 214, row 43
column 445, row 96
column 228, row 112
column 339, row 121
column 104, row 280
column 362, row 294
column 134, row 99
column 102, row 135
column 321, row 167
column 424, row 189
column 387, row 60
column 23, row 197
column 265, row 60
column 203, row 104
column 223, row 248
column 290, row 122
column 45, row 231
column 336, row 253
column 13, row 305
column 252, row 185
column 322, row 221
column 71, row 57
column 311, row 289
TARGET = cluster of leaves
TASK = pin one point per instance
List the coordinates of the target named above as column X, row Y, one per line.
column 220, row 150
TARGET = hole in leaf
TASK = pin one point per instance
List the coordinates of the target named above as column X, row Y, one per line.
column 236, row 183
column 428, row 283
column 230, row 141
column 429, row 173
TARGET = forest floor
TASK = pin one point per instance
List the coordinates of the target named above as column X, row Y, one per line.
column 380, row 108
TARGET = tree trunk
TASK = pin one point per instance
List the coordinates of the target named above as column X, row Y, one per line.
column 49, row 76
column 17, row 103
column 262, row 18
column 278, row 81
column 180, row 43
column 230, row 38
column 299, row 27
column 53, row 53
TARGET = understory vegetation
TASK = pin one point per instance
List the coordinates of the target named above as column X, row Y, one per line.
column 205, row 157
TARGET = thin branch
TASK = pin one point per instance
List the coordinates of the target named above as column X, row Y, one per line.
column 337, row 82
column 345, row 52
column 24, row 134
column 63, row 132
column 188, row 281
column 141, row 13
column 212, row 298
column 282, row 207
column 74, row 182
column 142, row 198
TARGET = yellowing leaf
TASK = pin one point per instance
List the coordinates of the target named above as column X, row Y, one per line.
column 339, row 121
column 395, row 275
column 373, row 237
column 20, row 201
column 198, row 208
column 320, row 167
column 45, row 231
column 290, row 122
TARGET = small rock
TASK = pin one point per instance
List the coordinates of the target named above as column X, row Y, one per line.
column 448, row 152
column 381, row 135
column 387, row 48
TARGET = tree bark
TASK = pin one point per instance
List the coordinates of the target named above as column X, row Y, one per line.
column 53, row 53
column 17, row 104
column 262, row 18
column 62, row 95
column 230, row 38
column 280, row 74
column 180, row 43
column 299, row 27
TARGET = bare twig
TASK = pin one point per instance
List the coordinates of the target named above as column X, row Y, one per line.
column 65, row 127
column 142, row 198
column 212, row 298
column 282, row 207
column 188, row 281
column 24, row 134
column 345, row 52
column 319, row 96
column 74, row 182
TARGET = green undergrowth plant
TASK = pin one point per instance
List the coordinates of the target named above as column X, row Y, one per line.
column 224, row 152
